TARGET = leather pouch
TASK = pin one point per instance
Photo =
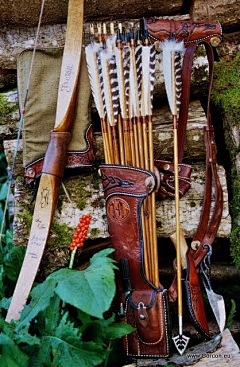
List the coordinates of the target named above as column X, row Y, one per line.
column 41, row 110
column 140, row 303
column 166, row 170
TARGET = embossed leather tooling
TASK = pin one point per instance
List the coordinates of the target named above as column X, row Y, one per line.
column 141, row 304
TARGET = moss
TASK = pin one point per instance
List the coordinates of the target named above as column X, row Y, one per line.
column 226, row 95
column 226, row 87
column 61, row 234
column 94, row 232
column 6, row 107
column 81, row 203
column 26, row 218
column 96, row 185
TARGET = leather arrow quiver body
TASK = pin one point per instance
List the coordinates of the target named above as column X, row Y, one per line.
column 192, row 34
column 140, row 303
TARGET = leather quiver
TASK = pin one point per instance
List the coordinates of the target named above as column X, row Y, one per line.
column 167, row 187
column 183, row 30
column 140, row 303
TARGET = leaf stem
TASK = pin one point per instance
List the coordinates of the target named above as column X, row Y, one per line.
column 72, row 258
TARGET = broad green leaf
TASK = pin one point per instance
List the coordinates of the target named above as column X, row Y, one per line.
column 117, row 330
column 91, row 290
column 40, row 299
column 67, row 349
column 103, row 331
column 11, row 355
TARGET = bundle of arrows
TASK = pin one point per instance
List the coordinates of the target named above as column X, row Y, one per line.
column 121, row 70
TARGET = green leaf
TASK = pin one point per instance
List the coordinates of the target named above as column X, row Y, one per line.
column 13, row 262
column 4, row 191
column 67, row 349
column 40, row 299
column 91, row 290
column 5, row 303
column 103, row 331
column 23, row 336
column 52, row 314
column 11, row 354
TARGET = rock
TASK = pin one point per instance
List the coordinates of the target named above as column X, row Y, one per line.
column 221, row 350
column 9, row 115
column 227, row 355
column 23, row 13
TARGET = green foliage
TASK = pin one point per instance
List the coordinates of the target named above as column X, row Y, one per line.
column 3, row 190
column 231, row 315
column 226, row 95
column 62, row 234
column 6, row 107
column 63, row 324
column 226, row 87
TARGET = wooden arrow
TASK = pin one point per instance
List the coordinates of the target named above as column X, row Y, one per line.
column 53, row 168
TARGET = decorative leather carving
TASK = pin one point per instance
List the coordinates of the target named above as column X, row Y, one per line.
column 74, row 159
column 187, row 31
column 144, row 305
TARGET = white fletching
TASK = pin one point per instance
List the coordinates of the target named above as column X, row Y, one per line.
column 168, row 49
column 105, row 56
column 111, row 42
column 146, row 80
column 133, row 102
column 120, row 76
column 91, row 57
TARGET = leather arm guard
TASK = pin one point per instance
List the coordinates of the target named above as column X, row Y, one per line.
column 141, row 304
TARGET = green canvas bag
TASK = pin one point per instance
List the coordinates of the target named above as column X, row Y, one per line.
column 41, row 111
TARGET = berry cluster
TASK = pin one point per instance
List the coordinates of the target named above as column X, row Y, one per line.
column 81, row 232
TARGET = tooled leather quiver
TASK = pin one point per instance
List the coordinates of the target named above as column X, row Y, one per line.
column 140, row 303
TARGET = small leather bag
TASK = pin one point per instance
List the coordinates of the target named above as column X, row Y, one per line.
column 40, row 111
column 141, row 304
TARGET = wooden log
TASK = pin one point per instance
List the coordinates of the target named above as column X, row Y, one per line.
column 226, row 12
column 25, row 12
column 162, row 128
column 86, row 198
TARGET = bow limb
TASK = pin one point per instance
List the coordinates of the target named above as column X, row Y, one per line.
column 55, row 157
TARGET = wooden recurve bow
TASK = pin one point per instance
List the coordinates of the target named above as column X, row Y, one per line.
column 54, row 162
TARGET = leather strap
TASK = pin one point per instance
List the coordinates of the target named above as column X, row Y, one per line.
column 208, row 227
